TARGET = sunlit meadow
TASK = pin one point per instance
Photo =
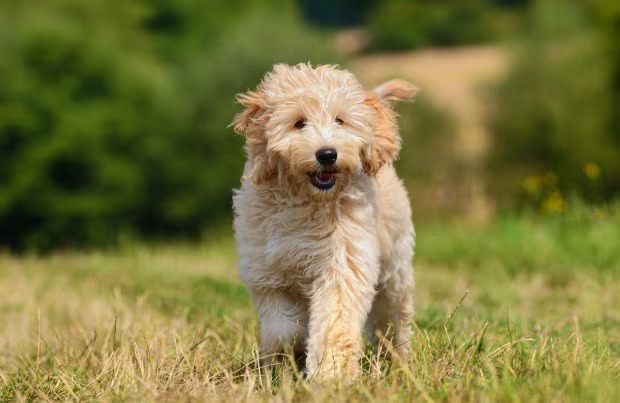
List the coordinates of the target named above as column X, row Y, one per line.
column 526, row 309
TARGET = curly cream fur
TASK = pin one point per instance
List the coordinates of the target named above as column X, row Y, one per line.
column 323, row 264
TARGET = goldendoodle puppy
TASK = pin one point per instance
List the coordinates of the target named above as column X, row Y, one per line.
column 322, row 222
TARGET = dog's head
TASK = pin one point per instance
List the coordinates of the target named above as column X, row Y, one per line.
column 314, row 128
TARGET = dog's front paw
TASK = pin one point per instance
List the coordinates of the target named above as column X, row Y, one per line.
column 345, row 370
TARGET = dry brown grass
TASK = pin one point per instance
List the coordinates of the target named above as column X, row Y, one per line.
column 174, row 323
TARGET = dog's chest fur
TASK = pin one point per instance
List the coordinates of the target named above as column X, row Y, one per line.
column 285, row 243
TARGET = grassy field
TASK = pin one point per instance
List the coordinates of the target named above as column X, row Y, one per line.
column 526, row 309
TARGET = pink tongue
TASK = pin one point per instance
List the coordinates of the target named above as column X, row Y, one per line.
column 325, row 176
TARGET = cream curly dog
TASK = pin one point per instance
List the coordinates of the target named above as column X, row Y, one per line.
column 322, row 222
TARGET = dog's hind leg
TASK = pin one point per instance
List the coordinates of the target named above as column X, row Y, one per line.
column 393, row 308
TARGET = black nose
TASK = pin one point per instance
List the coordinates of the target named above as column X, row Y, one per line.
column 326, row 156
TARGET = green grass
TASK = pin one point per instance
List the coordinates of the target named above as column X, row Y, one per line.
column 525, row 309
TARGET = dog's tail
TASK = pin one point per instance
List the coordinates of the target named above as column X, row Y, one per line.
column 396, row 90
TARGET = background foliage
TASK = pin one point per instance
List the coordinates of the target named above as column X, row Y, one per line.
column 113, row 117
column 554, row 117
column 405, row 24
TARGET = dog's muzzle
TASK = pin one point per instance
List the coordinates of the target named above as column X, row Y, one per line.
column 324, row 179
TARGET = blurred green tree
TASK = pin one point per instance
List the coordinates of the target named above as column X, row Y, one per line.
column 113, row 116
column 553, row 115
column 407, row 24
column 607, row 17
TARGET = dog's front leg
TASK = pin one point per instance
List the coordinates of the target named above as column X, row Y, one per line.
column 339, row 306
column 282, row 324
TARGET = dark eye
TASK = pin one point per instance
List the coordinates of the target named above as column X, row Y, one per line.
column 339, row 121
column 300, row 124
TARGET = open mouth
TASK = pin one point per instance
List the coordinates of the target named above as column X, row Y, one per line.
column 323, row 180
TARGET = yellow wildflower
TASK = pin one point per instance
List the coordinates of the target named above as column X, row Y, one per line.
column 531, row 184
column 592, row 170
column 554, row 204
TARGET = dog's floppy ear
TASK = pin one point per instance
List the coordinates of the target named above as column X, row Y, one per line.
column 248, row 121
column 385, row 142
column 251, row 123
column 396, row 90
